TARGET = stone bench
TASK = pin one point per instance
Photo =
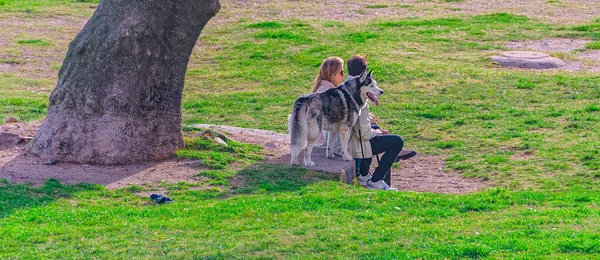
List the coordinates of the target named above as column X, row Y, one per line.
column 345, row 169
column 279, row 145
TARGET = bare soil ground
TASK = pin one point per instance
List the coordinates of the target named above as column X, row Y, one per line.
column 33, row 61
column 21, row 168
column 58, row 30
column 421, row 174
column 566, row 12
column 583, row 61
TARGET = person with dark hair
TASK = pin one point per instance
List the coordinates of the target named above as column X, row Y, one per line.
column 369, row 139
column 356, row 65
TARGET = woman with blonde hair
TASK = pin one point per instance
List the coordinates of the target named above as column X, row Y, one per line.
column 331, row 75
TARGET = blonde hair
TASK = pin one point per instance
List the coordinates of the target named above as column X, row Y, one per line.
column 328, row 68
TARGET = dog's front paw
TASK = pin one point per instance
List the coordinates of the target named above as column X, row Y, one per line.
column 330, row 155
column 310, row 164
column 347, row 158
column 295, row 162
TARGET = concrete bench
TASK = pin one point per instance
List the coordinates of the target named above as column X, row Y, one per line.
column 345, row 169
column 279, row 145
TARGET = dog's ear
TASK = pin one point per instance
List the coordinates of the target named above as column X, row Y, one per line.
column 363, row 76
column 370, row 74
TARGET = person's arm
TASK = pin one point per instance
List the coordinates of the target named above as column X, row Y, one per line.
column 364, row 125
column 374, row 124
column 372, row 118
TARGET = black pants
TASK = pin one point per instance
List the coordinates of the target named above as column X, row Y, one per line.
column 390, row 145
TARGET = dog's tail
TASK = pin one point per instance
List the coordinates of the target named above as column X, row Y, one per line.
column 298, row 128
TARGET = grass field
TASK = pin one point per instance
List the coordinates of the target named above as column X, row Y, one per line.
column 532, row 134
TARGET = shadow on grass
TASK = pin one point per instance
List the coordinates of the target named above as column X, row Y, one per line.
column 15, row 197
column 255, row 164
column 259, row 178
column 278, row 178
column 223, row 180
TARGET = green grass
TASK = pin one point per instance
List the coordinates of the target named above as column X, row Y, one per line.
column 531, row 134
column 38, row 6
column 271, row 24
column 16, row 197
column 403, row 5
column 12, row 61
column 218, row 156
column 25, row 108
column 286, row 218
column 39, row 42
column 593, row 45
column 377, row 6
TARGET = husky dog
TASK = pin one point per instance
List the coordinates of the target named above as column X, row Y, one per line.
column 335, row 110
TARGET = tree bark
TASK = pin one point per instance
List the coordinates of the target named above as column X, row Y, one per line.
column 118, row 96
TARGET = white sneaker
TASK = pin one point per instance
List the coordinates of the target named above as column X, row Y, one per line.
column 379, row 185
column 363, row 180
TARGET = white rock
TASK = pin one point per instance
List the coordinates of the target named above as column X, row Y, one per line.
column 527, row 60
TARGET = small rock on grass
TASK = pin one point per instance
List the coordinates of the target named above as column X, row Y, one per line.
column 214, row 136
column 7, row 138
column 10, row 120
column 51, row 162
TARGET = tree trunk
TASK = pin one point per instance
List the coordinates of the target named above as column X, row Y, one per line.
column 118, row 96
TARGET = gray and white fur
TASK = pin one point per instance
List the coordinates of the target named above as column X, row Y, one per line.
column 335, row 110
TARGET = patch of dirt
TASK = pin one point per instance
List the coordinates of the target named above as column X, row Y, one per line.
column 35, row 61
column 42, row 62
column 568, row 12
column 23, row 129
column 421, row 173
column 549, row 45
column 591, row 60
column 425, row 173
column 584, row 61
column 590, row 55
column 521, row 156
column 20, row 168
